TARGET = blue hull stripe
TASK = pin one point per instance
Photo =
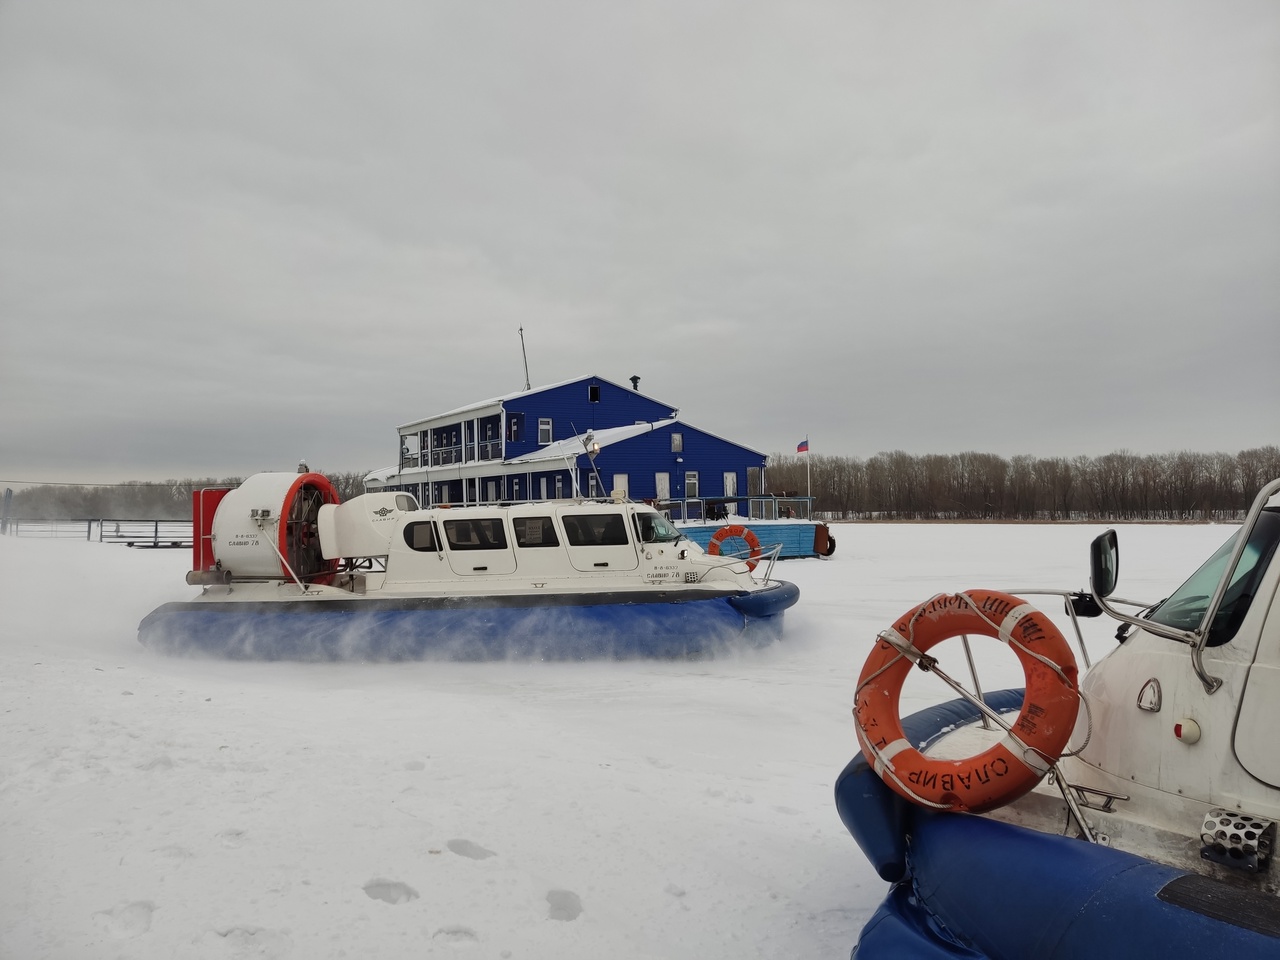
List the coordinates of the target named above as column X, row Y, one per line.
column 554, row 627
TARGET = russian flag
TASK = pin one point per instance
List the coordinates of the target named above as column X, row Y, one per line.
column 803, row 446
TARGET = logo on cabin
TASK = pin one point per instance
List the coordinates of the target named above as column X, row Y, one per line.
column 382, row 511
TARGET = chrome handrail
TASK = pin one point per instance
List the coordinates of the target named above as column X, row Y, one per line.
column 1066, row 596
column 769, row 554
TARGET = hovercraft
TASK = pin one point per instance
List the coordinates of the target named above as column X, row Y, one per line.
column 288, row 571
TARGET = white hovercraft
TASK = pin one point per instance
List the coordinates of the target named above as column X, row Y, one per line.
column 289, row 572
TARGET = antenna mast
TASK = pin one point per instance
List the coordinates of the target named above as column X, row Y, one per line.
column 525, row 355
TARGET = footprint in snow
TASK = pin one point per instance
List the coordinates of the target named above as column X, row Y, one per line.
column 466, row 848
column 456, row 935
column 564, row 905
column 243, row 942
column 390, row 891
column 128, row 920
column 175, row 852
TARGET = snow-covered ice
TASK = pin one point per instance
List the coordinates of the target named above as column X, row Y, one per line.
column 165, row 808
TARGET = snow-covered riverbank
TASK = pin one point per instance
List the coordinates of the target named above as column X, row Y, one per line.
column 154, row 808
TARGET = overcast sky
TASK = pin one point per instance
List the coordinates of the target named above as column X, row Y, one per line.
column 234, row 234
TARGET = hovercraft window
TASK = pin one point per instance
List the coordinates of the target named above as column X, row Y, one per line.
column 535, row 532
column 421, row 536
column 486, row 534
column 1186, row 606
column 655, row 528
column 596, row 530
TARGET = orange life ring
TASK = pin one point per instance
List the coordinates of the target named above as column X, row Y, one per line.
column 1014, row 765
column 742, row 533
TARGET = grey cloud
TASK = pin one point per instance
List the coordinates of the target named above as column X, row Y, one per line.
column 231, row 229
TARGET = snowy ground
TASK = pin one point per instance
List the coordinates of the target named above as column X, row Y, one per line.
column 154, row 808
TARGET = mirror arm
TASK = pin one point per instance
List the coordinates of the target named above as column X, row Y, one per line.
column 1193, row 638
column 1189, row 637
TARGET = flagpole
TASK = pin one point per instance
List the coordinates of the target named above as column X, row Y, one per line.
column 808, row 481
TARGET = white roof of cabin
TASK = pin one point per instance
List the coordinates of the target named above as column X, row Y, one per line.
column 576, row 446
column 560, row 450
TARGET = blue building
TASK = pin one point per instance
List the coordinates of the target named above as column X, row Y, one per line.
column 588, row 437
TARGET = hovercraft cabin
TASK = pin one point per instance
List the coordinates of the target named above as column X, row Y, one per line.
column 588, row 437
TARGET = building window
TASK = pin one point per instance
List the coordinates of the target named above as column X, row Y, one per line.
column 593, row 487
column 691, row 484
column 677, row 443
column 544, row 430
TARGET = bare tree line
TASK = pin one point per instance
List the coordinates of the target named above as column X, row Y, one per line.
column 986, row 486
column 165, row 500
column 890, row 486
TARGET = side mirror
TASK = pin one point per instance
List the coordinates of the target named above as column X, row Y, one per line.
column 1104, row 564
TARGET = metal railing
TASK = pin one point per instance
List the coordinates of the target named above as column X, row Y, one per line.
column 715, row 509
column 768, row 556
column 133, row 533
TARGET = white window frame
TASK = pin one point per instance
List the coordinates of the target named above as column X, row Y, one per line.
column 544, row 431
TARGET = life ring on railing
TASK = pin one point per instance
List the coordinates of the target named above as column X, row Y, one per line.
column 742, row 533
column 1014, row 765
